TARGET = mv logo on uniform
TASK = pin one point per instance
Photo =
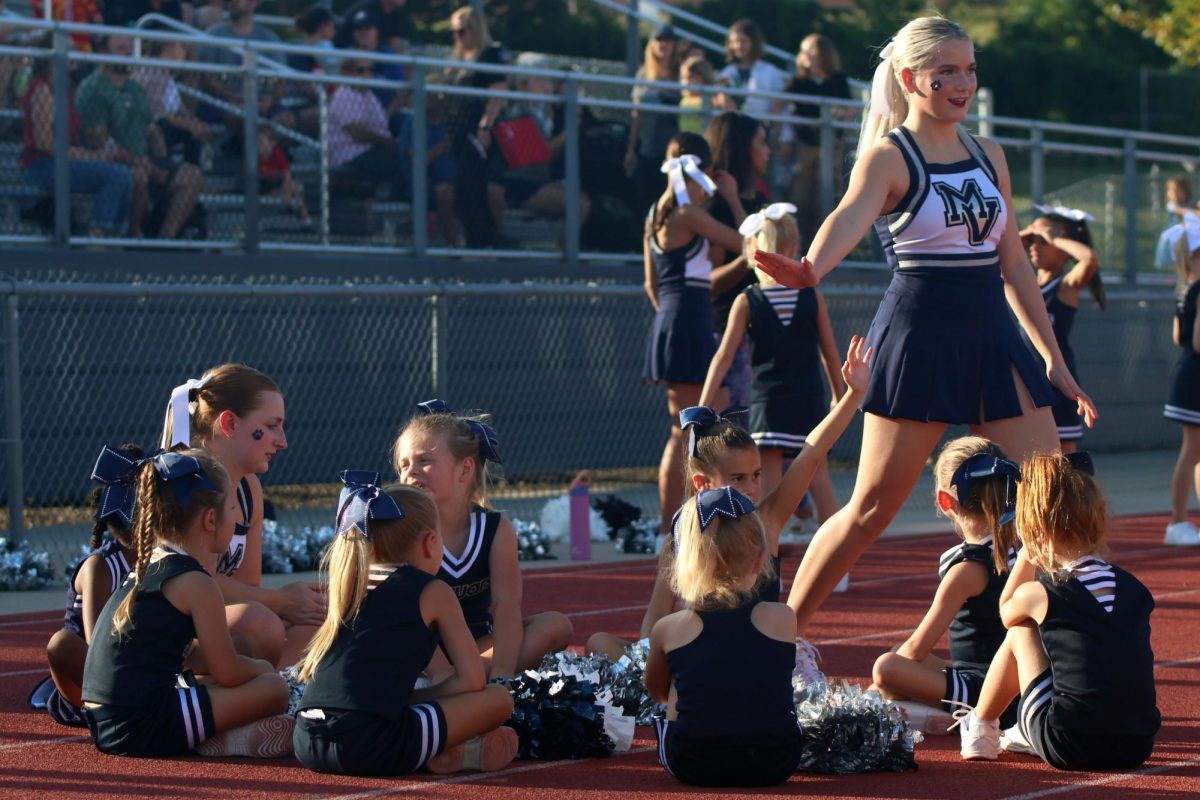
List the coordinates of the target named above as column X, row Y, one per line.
column 967, row 206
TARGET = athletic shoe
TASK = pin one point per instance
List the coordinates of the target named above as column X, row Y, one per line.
column 806, row 668
column 1013, row 741
column 1182, row 534
column 62, row 712
column 42, row 693
column 492, row 751
column 926, row 719
column 266, row 738
column 843, row 584
column 980, row 738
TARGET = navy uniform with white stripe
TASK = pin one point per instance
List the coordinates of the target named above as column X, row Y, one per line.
column 143, row 707
column 355, row 718
column 118, row 568
column 787, row 396
column 681, row 339
column 1094, row 707
column 1062, row 319
column 229, row 561
column 944, row 339
column 1183, row 403
column 469, row 572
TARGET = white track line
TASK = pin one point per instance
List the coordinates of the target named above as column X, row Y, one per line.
column 39, row 621
column 42, row 671
column 40, row 742
column 417, row 786
column 1124, row 776
column 1177, row 663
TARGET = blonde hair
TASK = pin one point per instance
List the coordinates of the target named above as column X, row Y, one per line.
column 478, row 25
column 228, row 387
column 776, row 236
column 710, row 563
column 1183, row 264
column 653, row 70
column 1059, row 508
column 711, row 448
column 462, row 442
column 988, row 497
column 347, row 566
column 157, row 516
column 914, row 47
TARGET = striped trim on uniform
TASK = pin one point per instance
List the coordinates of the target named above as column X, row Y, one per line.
column 1097, row 577
column 380, row 573
column 918, row 188
column 1037, row 697
column 975, row 149
column 1070, row 433
column 958, row 688
column 118, row 568
column 661, row 726
column 910, row 260
column 1184, row 415
column 788, row 441
column 431, row 733
column 457, row 566
column 193, row 718
column 783, row 301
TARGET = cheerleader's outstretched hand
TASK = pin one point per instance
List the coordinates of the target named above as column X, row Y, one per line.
column 1064, row 381
column 856, row 372
column 794, row 274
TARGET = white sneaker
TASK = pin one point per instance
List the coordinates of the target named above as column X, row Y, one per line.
column 806, row 667
column 1013, row 741
column 1182, row 534
column 980, row 738
column 843, row 584
column 926, row 719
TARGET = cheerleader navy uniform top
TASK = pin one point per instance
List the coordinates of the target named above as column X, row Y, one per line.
column 1183, row 403
column 229, row 561
column 787, row 397
column 110, row 552
column 945, row 342
column 681, row 339
column 1062, row 319
column 976, row 631
column 469, row 573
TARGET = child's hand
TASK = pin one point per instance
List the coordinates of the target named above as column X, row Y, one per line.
column 793, row 274
column 856, row 372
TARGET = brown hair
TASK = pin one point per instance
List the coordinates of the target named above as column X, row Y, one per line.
column 698, row 66
column 988, row 496
column 1183, row 187
column 1059, row 508
column 748, row 28
column 347, row 565
column 159, row 517
column 710, row 563
column 229, row 387
column 461, row 440
column 827, row 56
column 730, row 137
column 681, row 144
column 1063, row 227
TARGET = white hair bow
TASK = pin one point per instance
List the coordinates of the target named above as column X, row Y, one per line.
column 690, row 164
column 1070, row 213
column 1190, row 227
column 880, row 104
column 752, row 224
column 179, row 414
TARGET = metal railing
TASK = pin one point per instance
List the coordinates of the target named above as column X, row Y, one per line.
column 404, row 225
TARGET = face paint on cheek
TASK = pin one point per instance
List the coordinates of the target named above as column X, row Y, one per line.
column 258, row 434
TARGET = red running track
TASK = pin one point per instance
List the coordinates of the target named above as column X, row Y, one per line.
column 889, row 592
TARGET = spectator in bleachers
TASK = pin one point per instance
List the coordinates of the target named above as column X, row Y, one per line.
column 362, row 151
column 123, row 13
column 118, row 120
column 395, row 28
column 209, row 14
column 9, row 65
column 275, row 177
column 367, row 38
column 90, row 172
column 182, row 130
column 651, row 131
column 440, row 167
column 85, row 12
column 818, row 72
column 479, row 197
column 316, row 27
column 746, row 67
column 696, row 71
column 241, row 25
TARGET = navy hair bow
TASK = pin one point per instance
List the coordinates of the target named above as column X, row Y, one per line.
column 726, row 501
column 184, row 474
column 489, row 442
column 701, row 418
column 363, row 500
column 1082, row 461
column 116, row 471
column 986, row 465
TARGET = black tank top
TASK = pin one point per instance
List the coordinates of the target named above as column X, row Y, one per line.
column 1062, row 318
column 976, row 631
column 1185, row 312
column 148, row 656
column 469, row 573
column 785, row 358
column 375, row 660
column 1101, row 661
column 732, row 679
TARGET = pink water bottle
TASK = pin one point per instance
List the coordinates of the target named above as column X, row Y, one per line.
column 581, row 517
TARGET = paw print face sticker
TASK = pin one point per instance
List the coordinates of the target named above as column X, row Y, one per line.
column 258, row 434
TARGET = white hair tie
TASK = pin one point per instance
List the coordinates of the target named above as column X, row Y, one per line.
column 754, row 223
column 690, row 164
column 880, row 104
column 1190, row 227
column 179, row 414
column 1070, row 213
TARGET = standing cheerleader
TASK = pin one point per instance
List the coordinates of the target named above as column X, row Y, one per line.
column 1077, row 650
column 446, row 456
column 1183, row 404
column 721, row 727
column 1057, row 237
column 678, row 282
column 387, row 613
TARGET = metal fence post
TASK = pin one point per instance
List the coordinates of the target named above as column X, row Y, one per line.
column 323, row 137
column 1110, row 219
column 1037, row 164
column 250, row 162
column 437, row 343
column 826, row 166
column 12, row 411
column 633, row 58
column 420, row 161
column 985, row 108
column 1131, row 203
column 62, row 140
column 571, row 165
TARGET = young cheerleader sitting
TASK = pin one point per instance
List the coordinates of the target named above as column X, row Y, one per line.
column 387, row 612
column 134, row 697
column 446, row 456
column 93, row 582
column 1078, row 645
column 722, row 729
column 721, row 453
column 975, row 484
